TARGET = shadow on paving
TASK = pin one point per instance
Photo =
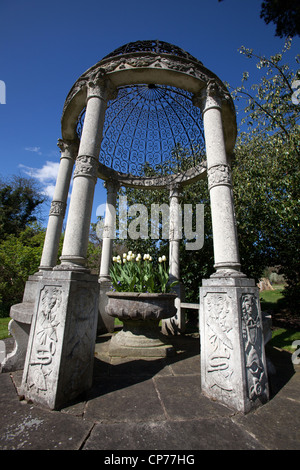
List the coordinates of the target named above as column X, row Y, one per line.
column 113, row 374
column 280, row 369
column 116, row 373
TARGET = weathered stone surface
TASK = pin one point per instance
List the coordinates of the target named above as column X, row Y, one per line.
column 59, row 361
column 140, row 313
column 27, row 427
column 233, row 364
column 182, row 435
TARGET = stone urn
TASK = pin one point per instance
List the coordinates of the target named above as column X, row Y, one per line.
column 140, row 314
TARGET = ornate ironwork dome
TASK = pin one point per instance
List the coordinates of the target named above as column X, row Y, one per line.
column 158, row 47
column 151, row 127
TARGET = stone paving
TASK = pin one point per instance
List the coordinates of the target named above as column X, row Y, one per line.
column 154, row 405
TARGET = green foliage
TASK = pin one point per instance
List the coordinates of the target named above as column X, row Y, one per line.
column 19, row 257
column 4, row 333
column 285, row 14
column 19, row 200
column 266, row 174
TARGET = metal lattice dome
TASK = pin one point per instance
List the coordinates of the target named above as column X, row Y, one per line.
column 151, row 126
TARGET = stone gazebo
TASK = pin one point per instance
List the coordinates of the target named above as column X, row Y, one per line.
column 134, row 108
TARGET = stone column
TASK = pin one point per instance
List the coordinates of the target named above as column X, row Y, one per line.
column 69, row 152
column 60, row 353
column 106, row 322
column 233, row 363
column 225, row 241
column 176, row 324
column 85, row 178
column 22, row 313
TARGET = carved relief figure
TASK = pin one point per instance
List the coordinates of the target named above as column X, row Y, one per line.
column 253, row 342
column 219, row 359
column 81, row 344
column 45, row 338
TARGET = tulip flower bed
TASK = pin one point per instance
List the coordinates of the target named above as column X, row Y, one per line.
column 137, row 273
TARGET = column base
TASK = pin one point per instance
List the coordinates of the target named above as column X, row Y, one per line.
column 60, row 353
column 72, row 263
column 106, row 322
column 233, row 363
column 176, row 325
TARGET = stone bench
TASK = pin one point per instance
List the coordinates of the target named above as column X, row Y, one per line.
column 19, row 328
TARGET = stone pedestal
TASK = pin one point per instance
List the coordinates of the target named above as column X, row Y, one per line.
column 59, row 360
column 140, row 314
column 233, row 363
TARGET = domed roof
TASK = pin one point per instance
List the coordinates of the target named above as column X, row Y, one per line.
column 156, row 46
column 151, row 127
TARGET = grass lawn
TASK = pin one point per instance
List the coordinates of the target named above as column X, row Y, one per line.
column 4, row 327
column 273, row 300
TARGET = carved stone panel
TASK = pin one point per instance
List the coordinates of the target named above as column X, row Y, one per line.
column 253, row 343
column 59, row 360
column 219, row 343
column 233, row 364
column 47, row 340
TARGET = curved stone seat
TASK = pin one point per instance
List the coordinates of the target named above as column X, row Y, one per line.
column 19, row 328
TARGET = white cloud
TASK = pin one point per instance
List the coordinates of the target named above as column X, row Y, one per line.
column 47, row 173
column 34, row 149
column 49, row 190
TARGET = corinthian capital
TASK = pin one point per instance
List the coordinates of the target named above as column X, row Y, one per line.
column 210, row 97
column 68, row 148
column 101, row 88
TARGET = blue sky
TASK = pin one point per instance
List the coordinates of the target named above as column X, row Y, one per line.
column 45, row 46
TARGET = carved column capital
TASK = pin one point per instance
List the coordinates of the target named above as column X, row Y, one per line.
column 112, row 186
column 58, row 208
column 219, row 175
column 101, row 88
column 210, row 97
column 175, row 190
column 68, row 148
column 86, row 165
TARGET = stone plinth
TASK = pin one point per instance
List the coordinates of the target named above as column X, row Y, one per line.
column 233, row 363
column 59, row 359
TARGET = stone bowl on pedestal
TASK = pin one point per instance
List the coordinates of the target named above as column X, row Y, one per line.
column 140, row 314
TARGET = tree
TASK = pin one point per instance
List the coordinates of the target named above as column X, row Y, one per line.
column 19, row 202
column 20, row 257
column 194, row 265
column 266, row 172
column 285, row 14
column 21, row 238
